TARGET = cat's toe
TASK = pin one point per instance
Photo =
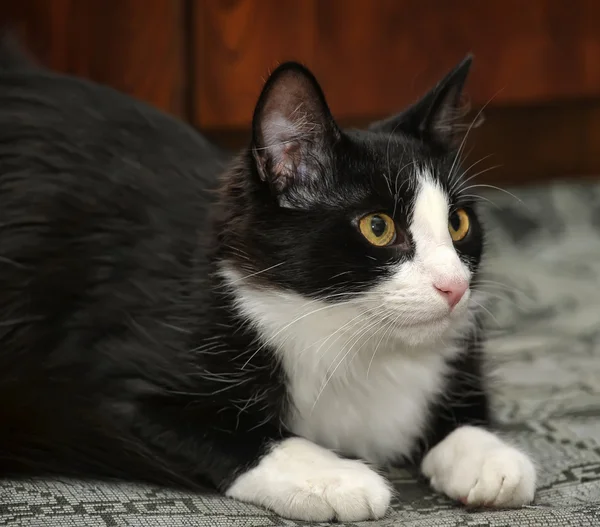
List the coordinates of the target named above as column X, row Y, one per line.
column 480, row 470
column 506, row 479
column 356, row 493
column 300, row 480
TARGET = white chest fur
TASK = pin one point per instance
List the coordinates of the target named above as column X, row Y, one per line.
column 374, row 412
column 352, row 386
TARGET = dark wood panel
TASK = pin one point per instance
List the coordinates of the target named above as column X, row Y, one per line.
column 373, row 57
column 537, row 143
column 236, row 43
column 533, row 51
column 135, row 46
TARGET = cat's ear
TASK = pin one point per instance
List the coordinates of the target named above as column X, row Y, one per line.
column 292, row 129
column 435, row 118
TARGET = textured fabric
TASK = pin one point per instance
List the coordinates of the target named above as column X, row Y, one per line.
column 544, row 343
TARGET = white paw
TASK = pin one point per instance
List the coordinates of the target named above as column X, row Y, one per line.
column 476, row 467
column 302, row 481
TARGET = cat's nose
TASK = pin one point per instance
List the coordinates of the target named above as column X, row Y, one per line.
column 452, row 291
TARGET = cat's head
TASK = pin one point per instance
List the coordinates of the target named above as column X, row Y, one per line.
column 372, row 221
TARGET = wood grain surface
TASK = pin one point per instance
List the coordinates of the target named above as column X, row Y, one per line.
column 136, row 46
column 375, row 56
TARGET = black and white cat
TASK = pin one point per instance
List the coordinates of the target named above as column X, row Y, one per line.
column 274, row 332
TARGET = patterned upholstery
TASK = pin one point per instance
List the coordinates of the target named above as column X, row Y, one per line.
column 545, row 347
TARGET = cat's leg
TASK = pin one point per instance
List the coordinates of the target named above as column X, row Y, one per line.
column 467, row 462
column 289, row 475
column 478, row 468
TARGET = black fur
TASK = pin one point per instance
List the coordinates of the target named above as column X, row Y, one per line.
column 121, row 352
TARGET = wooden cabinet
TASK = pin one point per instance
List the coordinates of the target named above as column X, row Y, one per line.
column 537, row 62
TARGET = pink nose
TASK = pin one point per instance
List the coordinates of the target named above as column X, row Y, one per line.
column 452, row 291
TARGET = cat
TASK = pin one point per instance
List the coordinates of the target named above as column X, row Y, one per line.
column 277, row 325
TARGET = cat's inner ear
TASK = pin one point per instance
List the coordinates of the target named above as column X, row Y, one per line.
column 437, row 117
column 293, row 130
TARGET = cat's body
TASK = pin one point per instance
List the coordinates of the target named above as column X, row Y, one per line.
column 153, row 327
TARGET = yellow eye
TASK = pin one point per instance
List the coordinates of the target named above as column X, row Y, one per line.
column 458, row 225
column 379, row 229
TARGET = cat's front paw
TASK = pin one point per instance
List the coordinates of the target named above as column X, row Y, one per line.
column 477, row 468
column 302, row 481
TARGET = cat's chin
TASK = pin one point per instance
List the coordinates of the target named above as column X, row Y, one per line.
column 423, row 334
column 431, row 332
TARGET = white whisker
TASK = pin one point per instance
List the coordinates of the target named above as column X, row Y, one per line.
column 481, row 185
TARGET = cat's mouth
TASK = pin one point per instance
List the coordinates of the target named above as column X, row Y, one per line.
column 412, row 320
column 434, row 323
column 444, row 319
column 399, row 323
column 430, row 321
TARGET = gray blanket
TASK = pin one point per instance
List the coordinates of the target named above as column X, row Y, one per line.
column 543, row 279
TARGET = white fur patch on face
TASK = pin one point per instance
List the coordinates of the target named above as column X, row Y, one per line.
column 435, row 254
column 423, row 314
column 302, row 481
column 477, row 468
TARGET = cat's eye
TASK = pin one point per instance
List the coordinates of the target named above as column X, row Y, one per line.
column 458, row 225
column 379, row 229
